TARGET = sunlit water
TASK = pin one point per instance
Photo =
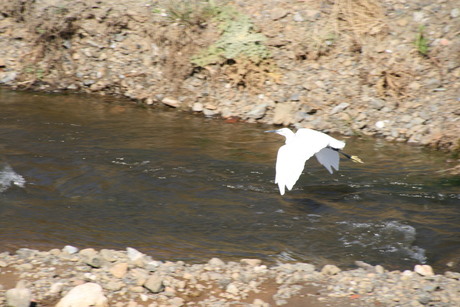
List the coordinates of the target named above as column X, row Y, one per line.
column 96, row 172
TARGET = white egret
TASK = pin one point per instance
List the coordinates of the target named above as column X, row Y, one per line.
column 299, row 147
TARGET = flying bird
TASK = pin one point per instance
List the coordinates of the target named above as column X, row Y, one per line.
column 299, row 147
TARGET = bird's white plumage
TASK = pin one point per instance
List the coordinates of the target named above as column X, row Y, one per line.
column 298, row 149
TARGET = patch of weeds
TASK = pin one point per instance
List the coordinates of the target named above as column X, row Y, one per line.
column 238, row 39
column 320, row 43
column 188, row 12
column 37, row 72
column 421, row 42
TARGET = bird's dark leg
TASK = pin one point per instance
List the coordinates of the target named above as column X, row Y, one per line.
column 352, row 158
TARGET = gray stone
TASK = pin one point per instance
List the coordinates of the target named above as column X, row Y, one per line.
column 258, row 111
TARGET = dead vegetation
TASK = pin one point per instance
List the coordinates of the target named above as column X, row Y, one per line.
column 358, row 19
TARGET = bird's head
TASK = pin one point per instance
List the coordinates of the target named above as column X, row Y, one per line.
column 286, row 132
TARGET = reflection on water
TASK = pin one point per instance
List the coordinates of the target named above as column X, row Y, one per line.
column 106, row 174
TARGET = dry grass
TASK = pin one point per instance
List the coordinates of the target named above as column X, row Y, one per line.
column 358, row 17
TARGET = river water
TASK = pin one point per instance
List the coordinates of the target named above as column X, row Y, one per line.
column 100, row 172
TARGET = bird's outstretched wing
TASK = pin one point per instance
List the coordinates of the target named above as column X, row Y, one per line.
column 292, row 156
column 289, row 166
column 329, row 158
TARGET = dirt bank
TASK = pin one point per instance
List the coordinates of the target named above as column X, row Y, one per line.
column 387, row 68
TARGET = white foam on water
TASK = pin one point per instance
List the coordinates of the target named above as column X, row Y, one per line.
column 390, row 237
column 9, row 177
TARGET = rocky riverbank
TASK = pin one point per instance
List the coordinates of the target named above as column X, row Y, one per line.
column 384, row 68
column 71, row 277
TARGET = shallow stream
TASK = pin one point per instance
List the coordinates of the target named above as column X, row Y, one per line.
column 99, row 172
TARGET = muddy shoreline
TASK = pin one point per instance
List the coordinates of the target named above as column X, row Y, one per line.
column 320, row 69
column 131, row 278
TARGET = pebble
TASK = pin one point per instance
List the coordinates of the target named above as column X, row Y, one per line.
column 424, row 270
column 119, row 270
column 19, row 296
column 70, row 249
column 330, row 269
column 154, row 283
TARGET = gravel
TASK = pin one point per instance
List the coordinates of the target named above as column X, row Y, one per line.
column 131, row 278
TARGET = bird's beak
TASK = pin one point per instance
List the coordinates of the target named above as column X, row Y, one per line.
column 271, row 131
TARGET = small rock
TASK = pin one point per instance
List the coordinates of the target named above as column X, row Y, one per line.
column 55, row 288
column 216, row 262
column 85, row 295
column 454, row 13
column 424, row 270
column 232, row 289
column 259, row 303
column 330, row 269
column 258, row 111
column 114, row 285
column 25, row 252
column 19, row 296
column 251, row 262
column 176, row 302
column 88, row 252
column 69, row 249
column 278, row 13
column 171, row 102
column 282, row 114
column 154, row 283
column 339, row 108
column 424, row 298
column 298, row 17
column 134, row 255
column 209, row 112
column 108, row 255
column 137, row 289
column 418, row 16
column 119, row 270
column 197, row 107
column 8, row 77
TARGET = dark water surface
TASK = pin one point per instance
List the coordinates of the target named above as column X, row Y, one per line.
column 96, row 172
